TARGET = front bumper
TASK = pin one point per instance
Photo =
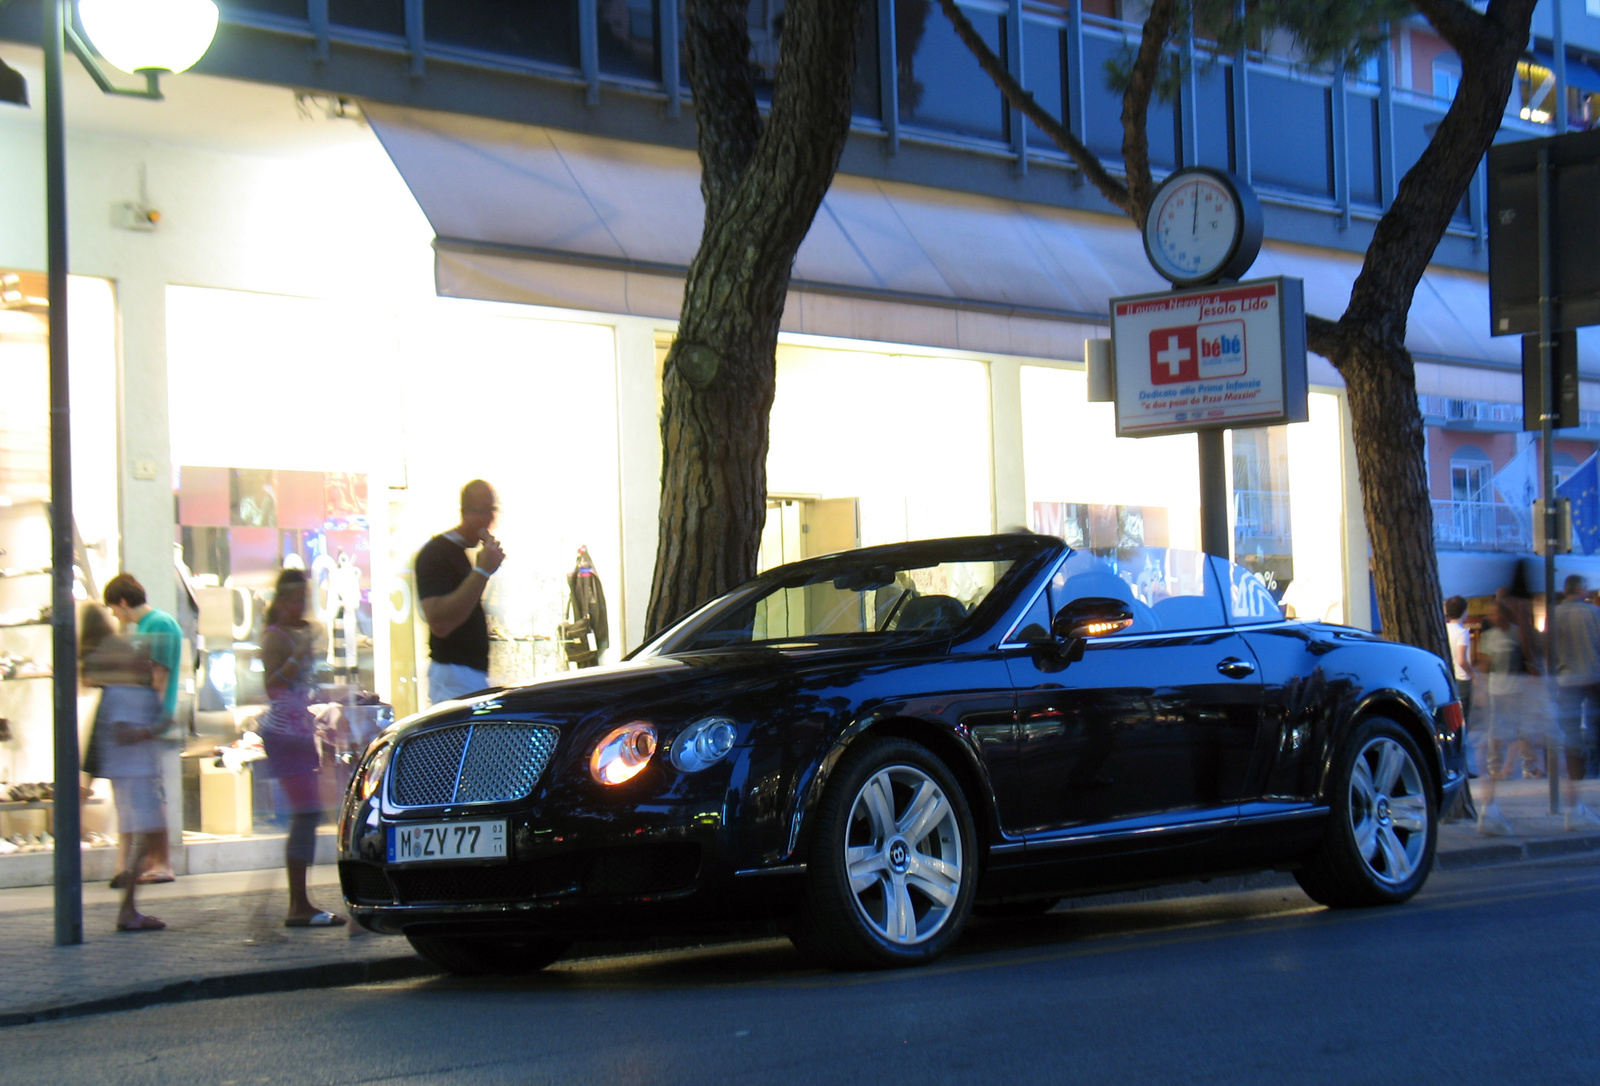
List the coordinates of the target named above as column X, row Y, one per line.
column 666, row 852
column 670, row 874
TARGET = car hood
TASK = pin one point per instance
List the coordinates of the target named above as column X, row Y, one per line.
column 697, row 679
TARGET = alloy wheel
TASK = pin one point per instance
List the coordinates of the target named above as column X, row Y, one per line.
column 1388, row 810
column 903, row 855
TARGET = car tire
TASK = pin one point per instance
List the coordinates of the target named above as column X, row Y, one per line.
column 893, row 861
column 477, row 956
column 1383, row 822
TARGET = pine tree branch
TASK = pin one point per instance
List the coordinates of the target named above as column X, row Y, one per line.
column 1426, row 197
column 727, row 120
column 1456, row 22
column 1158, row 28
column 1324, row 337
column 1022, row 100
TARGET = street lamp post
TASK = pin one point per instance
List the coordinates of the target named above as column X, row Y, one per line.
column 144, row 37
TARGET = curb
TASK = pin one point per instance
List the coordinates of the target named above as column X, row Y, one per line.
column 409, row 966
column 1505, row 851
column 265, row 982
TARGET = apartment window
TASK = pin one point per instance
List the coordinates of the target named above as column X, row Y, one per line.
column 1472, row 513
column 1471, row 475
column 1446, row 78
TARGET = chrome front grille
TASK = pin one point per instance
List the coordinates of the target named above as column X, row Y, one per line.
column 489, row 762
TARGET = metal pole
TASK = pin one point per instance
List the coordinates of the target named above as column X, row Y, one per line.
column 1213, row 494
column 1547, row 473
column 64, row 656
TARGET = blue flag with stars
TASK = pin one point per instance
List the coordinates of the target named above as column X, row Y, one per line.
column 1582, row 489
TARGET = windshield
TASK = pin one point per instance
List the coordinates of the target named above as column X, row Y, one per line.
column 877, row 594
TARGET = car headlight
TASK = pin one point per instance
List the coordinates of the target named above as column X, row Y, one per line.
column 623, row 753
column 372, row 772
column 703, row 743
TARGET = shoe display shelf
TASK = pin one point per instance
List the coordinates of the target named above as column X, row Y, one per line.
column 27, row 744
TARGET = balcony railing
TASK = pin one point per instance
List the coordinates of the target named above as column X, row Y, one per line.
column 1480, row 526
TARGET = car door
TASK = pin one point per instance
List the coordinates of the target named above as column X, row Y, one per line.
column 1152, row 727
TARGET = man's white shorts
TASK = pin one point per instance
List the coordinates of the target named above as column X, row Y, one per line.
column 446, row 681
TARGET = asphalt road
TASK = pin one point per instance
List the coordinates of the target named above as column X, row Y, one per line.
column 1488, row 976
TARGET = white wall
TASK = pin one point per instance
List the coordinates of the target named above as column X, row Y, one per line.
column 252, row 197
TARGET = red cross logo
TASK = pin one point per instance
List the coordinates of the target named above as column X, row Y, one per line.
column 1174, row 356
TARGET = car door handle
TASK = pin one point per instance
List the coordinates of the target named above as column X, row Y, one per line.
column 1235, row 668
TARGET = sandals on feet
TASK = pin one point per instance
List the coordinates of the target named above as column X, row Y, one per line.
column 316, row 920
column 142, row 923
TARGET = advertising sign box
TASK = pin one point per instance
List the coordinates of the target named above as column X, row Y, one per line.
column 1232, row 355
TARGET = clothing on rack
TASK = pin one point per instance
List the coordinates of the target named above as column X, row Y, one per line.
column 587, row 633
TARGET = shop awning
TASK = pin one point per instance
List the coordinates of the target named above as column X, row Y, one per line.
column 548, row 217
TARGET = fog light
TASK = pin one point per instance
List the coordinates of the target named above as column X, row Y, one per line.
column 623, row 753
column 703, row 743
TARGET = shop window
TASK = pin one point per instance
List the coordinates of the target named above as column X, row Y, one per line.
column 26, row 749
column 383, row 16
column 543, row 31
column 1263, row 537
column 1536, row 87
column 894, row 409
column 941, row 85
column 1096, row 490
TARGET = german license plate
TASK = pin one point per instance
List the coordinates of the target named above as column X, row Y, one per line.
column 447, row 841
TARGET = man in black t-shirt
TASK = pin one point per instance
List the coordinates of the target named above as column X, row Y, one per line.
column 450, row 588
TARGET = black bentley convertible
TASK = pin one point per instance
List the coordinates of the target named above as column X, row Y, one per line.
column 867, row 747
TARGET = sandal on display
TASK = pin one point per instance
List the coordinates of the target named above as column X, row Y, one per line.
column 316, row 920
column 142, row 923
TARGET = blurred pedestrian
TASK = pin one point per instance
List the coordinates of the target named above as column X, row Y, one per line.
column 450, row 588
column 289, row 735
column 161, row 638
column 1577, row 657
column 1455, row 610
column 1512, row 714
column 123, row 746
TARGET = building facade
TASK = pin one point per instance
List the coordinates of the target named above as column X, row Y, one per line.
column 399, row 245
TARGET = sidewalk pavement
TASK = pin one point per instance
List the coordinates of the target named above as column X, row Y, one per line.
column 225, row 933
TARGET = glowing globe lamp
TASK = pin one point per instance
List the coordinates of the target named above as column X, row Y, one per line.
column 150, row 35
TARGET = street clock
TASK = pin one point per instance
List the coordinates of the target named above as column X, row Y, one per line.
column 1204, row 226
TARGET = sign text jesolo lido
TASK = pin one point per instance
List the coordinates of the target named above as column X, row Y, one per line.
column 1229, row 355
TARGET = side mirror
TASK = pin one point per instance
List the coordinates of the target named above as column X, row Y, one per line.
column 1091, row 616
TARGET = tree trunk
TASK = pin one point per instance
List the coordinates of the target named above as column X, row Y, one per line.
column 762, row 186
column 1391, row 461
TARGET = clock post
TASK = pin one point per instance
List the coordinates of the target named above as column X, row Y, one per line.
column 1204, row 227
column 1213, row 353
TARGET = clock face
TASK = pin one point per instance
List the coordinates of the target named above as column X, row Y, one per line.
column 1193, row 228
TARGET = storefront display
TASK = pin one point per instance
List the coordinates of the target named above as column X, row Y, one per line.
column 27, row 763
